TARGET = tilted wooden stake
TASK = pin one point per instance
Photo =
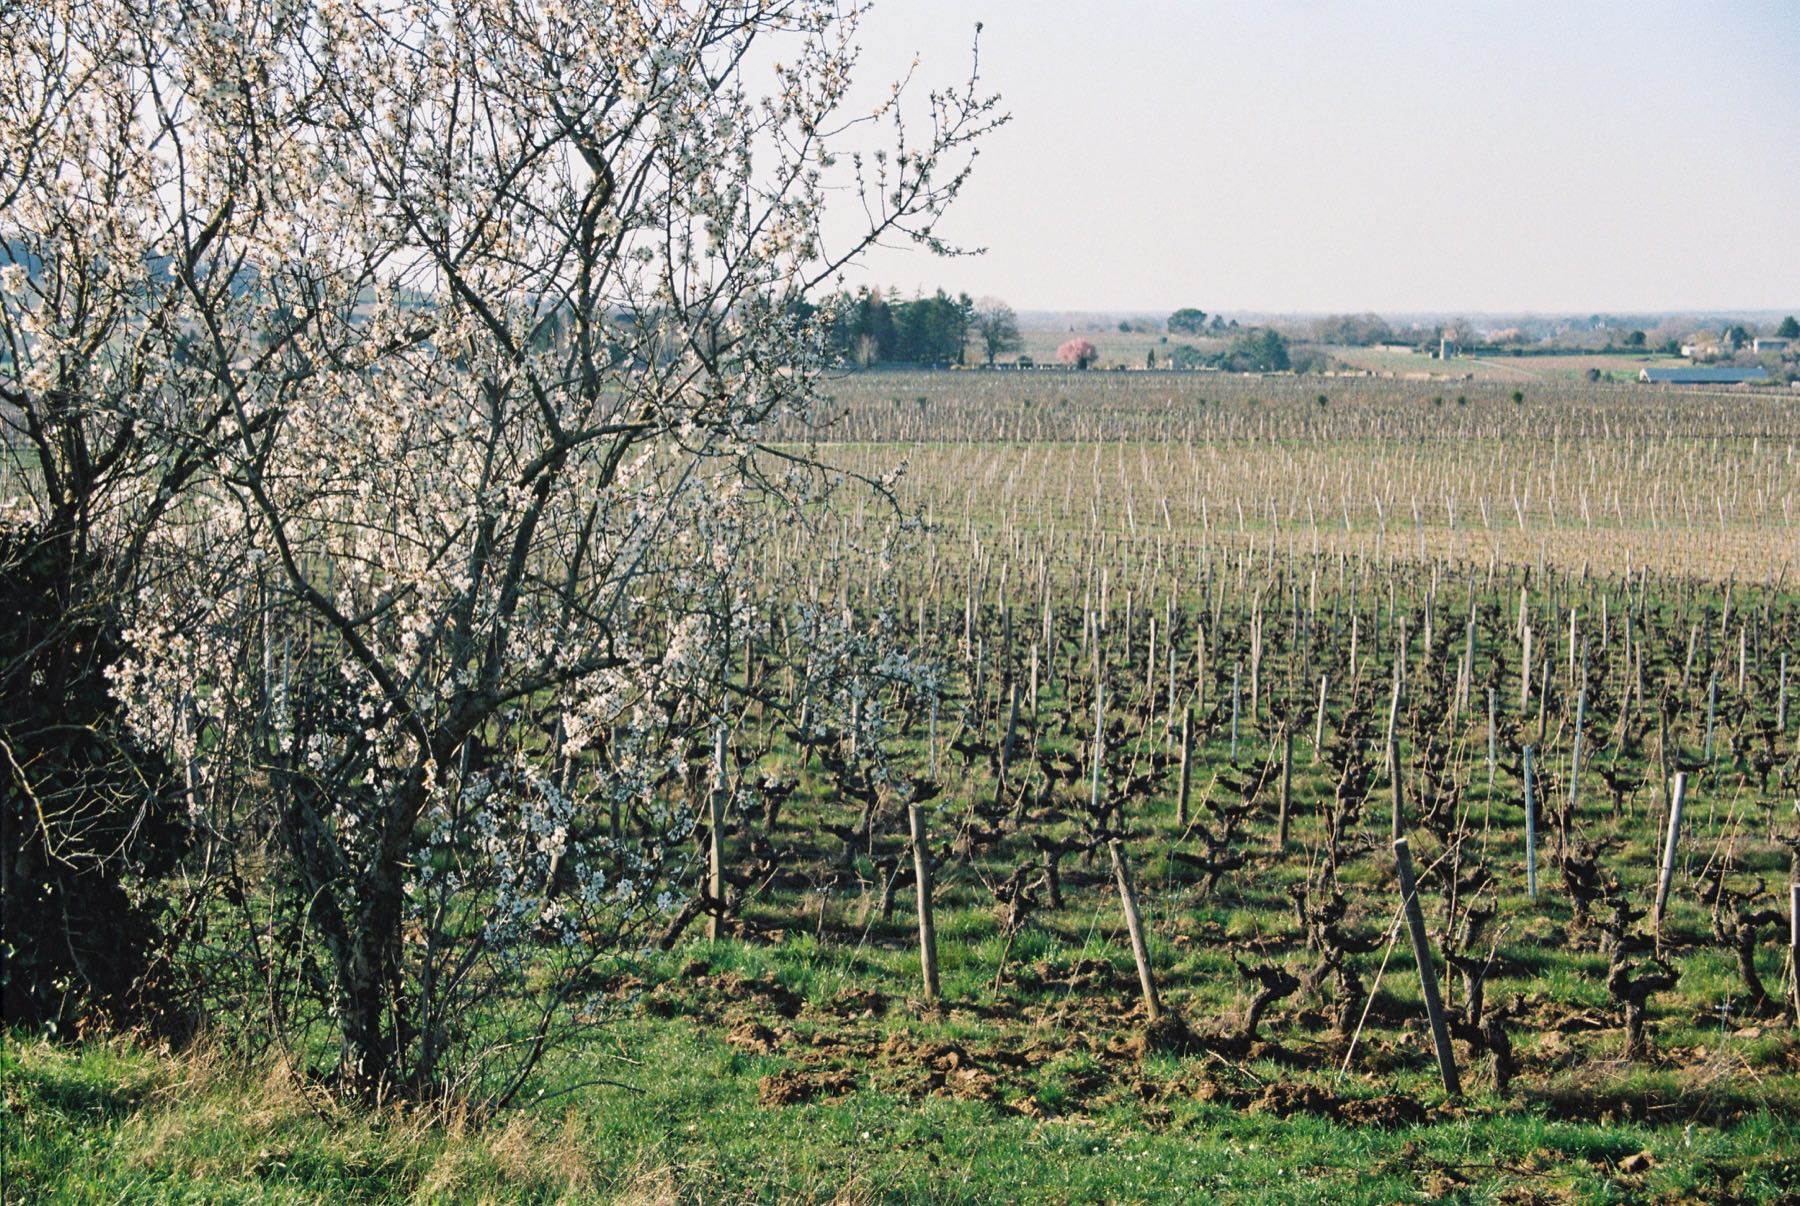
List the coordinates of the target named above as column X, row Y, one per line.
column 1434, row 1008
column 1319, row 725
column 1399, row 825
column 1668, row 858
column 1134, row 922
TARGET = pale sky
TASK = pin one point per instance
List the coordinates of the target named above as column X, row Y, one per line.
column 1357, row 155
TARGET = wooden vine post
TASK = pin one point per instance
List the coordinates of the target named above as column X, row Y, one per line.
column 1393, row 717
column 1134, row 923
column 1099, row 741
column 1668, row 859
column 1530, row 831
column 1662, row 754
column 1712, row 708
column 715, row 841
column 1781, row 697
column 1287, row 787
column 1491, row 741
column 1012, row 733
column 915, row 819
column 1575, row 746
column 1794, row 944
column 1399, row 822
column 1187, row 767
column 1421, row 944
column 1235, row 671
column 1319, row 724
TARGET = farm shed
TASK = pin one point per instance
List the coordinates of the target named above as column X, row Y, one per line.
column 1704, row 376
column 1770, row 343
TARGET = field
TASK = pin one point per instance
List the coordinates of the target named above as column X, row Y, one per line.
column 1560, row 367
column 1203, row 647
column 1125, row 348
column 1131, row 350
column 1577, row 365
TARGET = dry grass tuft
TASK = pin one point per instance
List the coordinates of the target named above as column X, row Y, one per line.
column 649, row 1186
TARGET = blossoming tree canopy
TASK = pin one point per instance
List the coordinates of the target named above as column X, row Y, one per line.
column 480, row 318
column 1078, row 352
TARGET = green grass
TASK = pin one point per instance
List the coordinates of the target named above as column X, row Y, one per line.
column 104, row 1123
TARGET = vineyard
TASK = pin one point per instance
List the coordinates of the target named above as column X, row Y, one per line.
column 1201, row 695
column 511, row 689
column 1239, row 788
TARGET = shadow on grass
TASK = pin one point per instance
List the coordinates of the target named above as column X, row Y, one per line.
column 93, row 1087
column 1664, row 1098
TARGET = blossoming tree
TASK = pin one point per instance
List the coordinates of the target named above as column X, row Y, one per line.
column 478, row 316
column 1078, row 352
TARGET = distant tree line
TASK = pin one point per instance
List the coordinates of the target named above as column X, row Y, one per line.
column 1257, row 350
column 873, row 327
column 1191, row 321
column 1356, row 330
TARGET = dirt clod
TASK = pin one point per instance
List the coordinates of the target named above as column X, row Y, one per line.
column 753, row 1037
column 792, row 1086
column 859, row 1002
column 1168, row 1034
column 1285, row 1099
column 1388, row 1110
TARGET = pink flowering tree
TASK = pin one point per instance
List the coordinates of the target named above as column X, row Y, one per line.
column 1078, row 352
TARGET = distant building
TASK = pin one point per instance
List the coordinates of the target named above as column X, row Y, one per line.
column 1704, row 376
column 1713, row 345
column 1770, row 343
column 1705, row 347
